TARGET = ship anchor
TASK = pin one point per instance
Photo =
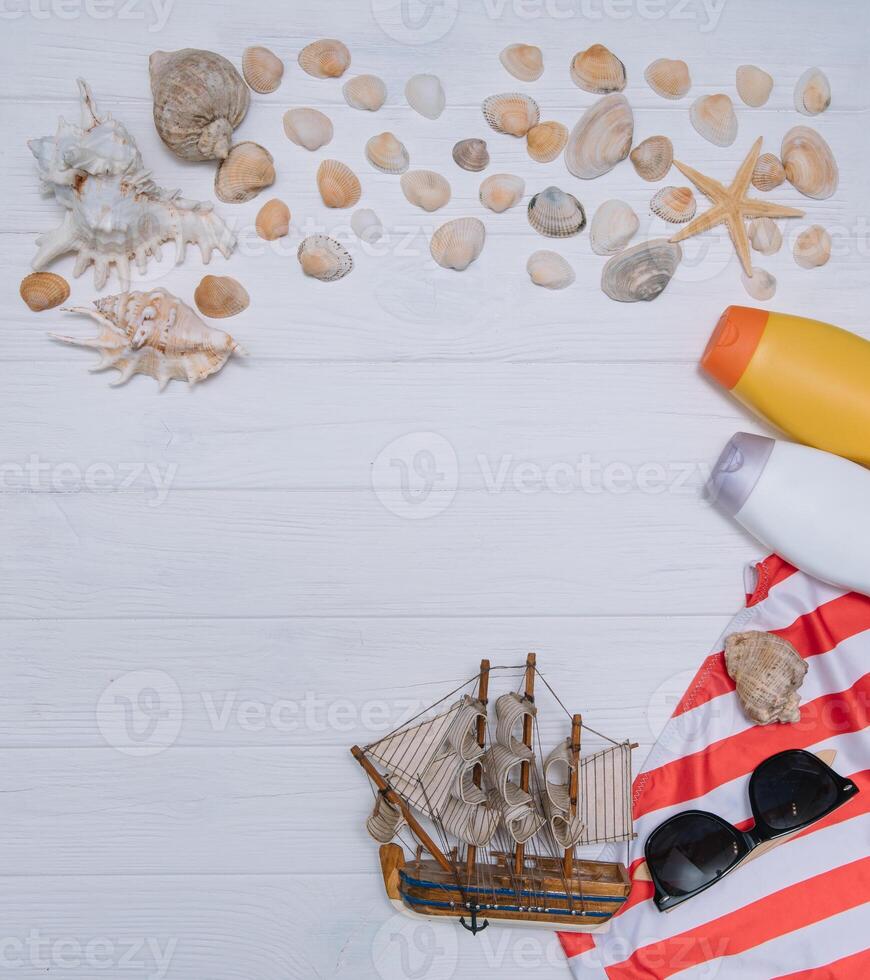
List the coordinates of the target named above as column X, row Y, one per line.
column 474, row 928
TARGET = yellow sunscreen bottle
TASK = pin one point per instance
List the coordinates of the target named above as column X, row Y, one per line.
column 808, row 378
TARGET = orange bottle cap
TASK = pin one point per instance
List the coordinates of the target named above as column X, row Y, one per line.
column 733, row 344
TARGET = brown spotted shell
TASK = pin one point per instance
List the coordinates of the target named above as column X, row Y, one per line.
column 326, row 58
column 767, row 671
column 44, row 291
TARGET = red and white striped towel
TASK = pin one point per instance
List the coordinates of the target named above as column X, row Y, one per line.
column 801, row 910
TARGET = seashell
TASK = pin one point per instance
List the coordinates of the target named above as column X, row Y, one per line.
column 367, row 225
column 273, row 220
column 765, row 236
column 471, row 155
column 245, row 172
column 501, row 191
column 601, row 138
column 339, row 186
column 641, row 272
column 262, row 69
column 812, row 92
column 154, row 333
column 598, row 70
column 674, row 204
column 387, row 154
column 426, row 189
column 753, row 85
column 523, row 61
column 220, row 296
column 44, row 291
column 713, row 117
column 767, row 671
column 511, row 113
column 326, row 58
column 456, row 244
column 613, row 226
column 307, row 127
column 199, row 99
column 760, row 285
column 769, row 172
column 546, row 141
column 425, row 94
column 365, row 92
column 812, row 247
column 669, row 79
column 653, row 157
column 114, row 211
column 556, row 214
column 322, row 257
column 809, row 164
column 549, row 269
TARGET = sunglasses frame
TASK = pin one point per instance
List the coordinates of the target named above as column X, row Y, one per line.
column 747, row 840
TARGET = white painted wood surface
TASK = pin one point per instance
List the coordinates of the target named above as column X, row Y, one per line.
column 241, row 563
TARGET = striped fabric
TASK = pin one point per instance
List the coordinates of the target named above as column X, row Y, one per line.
column 802, row 909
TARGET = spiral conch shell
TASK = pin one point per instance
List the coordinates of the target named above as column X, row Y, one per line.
column 809, row 163
column 44, row 291
column 523, row 61
column 713, row 117
column 322, row 257
column 326, row 58
column 154, row 333
column 511, row 113
column 549, row 269
column 262, row 69
column 246, row 171
column 641, row 272
column 767, row 671
column 456, row 244
column 601, row 138
column 613, row 226
column 307, row 127
column 199, row 99
column 598, row 70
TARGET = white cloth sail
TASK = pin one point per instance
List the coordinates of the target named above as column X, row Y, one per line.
column 470, row 823
column 604, row 785
column 385, row 822
column 510, row 711
column 516, row 806
column 567, row 827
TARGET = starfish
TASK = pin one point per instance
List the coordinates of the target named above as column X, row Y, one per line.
column 731, row 206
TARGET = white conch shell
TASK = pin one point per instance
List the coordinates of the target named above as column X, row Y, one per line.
column 809, row 164
column 765, row 236
column 326, row 58
column 322, row 257
column 307, row 127
column 601, row 138
column 523, row 61
column 641, row 272
column 511, row 112
column 425, row 188
column 456, row 244
column 366, row 225
column 674, row 204
column 262, row 68
column 812, row 93
column 669, row 79
column 501, row 191
column 812, row 247
column 613, row 226
column 768, row 672
column 769, row 172
column 115, row 212
column 753, row 85
column 387, row 153
column 549, row 269
column 598, row 70
column 366, row 92
column 556, row 214
column 425, row 94
column 713, row 117
column 653, row 157
column 760, row 285
column 154, row 333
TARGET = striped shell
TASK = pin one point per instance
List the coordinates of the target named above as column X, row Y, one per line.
column 601, row 138
column 613, row 226
column 769, row 172
column 546, row 141
column 471, row 155
column 44, row 291
column 713, row 117
column 809, row 164
column 387, row 154
column 511, row 113
column 653, row 157
column 273, row 220
column 309, row 128
column 322, row 257
column 425, row 94
column 669, row 79
column 598, row 70
column 523, row 61
column 641, row 273
column 247, row 170
column 456, row 244
column 556, row 214
column 812, row 92
column 220, row 296
column 674, row 204
column 812, row 247
column 765, row 236
column 366, row 92
column 262, row 69
column 501, row 191
column 339, row 186
column 753, row 85
column 549, row 269
column 426, row 189
column 326, row 58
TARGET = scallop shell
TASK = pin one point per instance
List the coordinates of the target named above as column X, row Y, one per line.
column 674, row 204
column 812, row 93
column 220, row 296
column 523, row 61
column 425, row 94
column 367, row 225
column 366, row 92
column 765, row 236
column 641, row 272
column 613, row 226
column 669, row 79
column 769, row 172
column 768, row 672
column 556, row 214
column 262, row 69
column 511, row 113
column 501, row 191
column 549, row 269
column 273, row 220
column 307, row 127
column 601, row 138
column 44, row 291
column 154, row 333
column 753, row 85
column 456, row 244
column 339, row 186
column 426, row 189
column 653, row 157
column 245, row 172
column 809, row 164
column 387, row 154
column 326, row 58
column 471, row 155
column 761, row 285
column 812, row 247
column 713, row 117
column 546, row 141
column 199, row 99
column 598, row 70
column 322, row 257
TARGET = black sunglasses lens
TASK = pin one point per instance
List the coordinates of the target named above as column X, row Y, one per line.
column 690, row 851
column 792, row 789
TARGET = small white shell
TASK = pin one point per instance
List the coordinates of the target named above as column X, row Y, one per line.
column 641, row 272
column 367, row 225
column 674, row 204
column 456, row 244
column 262, row 69
column 425, row 188
column 601, row 138
column 549, row 269
column 653, row 157
column 809, row 164
column 309, row 128
column 713, row 117
column 812, row 247
column 511, row 113
column 425, row 94
column 812, row 93
column 501, row 191
column 366, row 92
column 326, row 58
column 669, row 79
column 598, row 70
column 613, row 226
column 322, row 257
column 753, row 85
column 769, row 172
column 523, row 61
column 556, row 214
column 765, row 236
column 760, row 285
column 546, row 141
column 387, row 154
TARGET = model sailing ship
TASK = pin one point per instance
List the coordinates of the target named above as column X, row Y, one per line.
column 507, row 820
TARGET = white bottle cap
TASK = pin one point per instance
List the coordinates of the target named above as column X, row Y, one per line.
column 737, row 471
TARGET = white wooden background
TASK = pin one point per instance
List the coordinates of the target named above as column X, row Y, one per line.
column 283, row 597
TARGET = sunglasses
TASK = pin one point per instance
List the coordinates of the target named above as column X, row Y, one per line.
column 691, row 851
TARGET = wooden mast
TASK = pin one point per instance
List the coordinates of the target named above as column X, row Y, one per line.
column 526, row 768
column 482, row 695
column 576, row 725
column 393, row 797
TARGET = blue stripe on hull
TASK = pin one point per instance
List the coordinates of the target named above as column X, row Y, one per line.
column 429, row 903
column 416, row 883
